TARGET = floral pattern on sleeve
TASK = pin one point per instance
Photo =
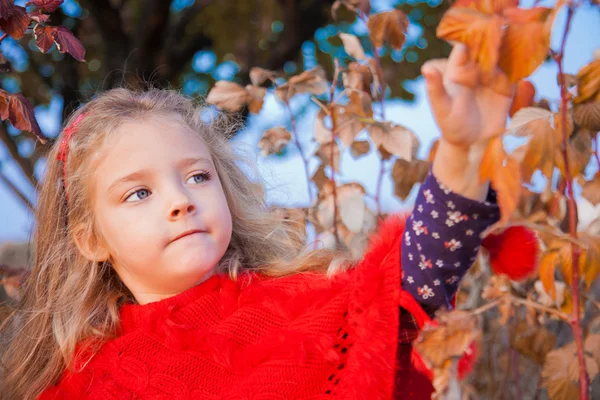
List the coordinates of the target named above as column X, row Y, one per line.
column 441, row 242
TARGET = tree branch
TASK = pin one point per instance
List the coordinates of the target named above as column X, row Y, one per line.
column 24, row 163
column 16, row 191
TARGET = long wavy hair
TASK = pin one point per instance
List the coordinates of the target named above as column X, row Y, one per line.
column 68, row 299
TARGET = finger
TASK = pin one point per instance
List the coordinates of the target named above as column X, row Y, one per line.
column 441, row 103
column 461, row 69
column 459, row 56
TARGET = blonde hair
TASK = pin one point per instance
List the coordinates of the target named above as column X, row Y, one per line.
column 68, row 299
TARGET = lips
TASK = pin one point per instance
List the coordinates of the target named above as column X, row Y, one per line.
column 187, row 233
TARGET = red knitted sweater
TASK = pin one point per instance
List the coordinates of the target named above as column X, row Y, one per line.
column 299, row 337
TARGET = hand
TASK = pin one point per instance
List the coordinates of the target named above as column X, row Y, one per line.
column 469, row 107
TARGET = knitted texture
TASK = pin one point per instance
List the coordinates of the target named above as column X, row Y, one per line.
column 303, row 336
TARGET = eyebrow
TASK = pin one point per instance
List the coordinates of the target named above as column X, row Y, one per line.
column 138, row 175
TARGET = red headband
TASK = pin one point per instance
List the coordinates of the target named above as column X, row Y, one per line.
column 63, row 151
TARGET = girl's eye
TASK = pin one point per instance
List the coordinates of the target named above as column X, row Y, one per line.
column 141, row 194
column 199, row 177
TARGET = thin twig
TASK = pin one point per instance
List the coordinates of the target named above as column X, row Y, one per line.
column 336, row 73
column 575, row 320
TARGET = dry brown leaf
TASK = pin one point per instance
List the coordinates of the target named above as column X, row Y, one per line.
column 322, row 133
column 388, row 26
column 360, row 148
column 395, row 139
column 526, row 41
column 549, row 261
column 358, row 77
column 352, row 5
column 352, row 46
column 311, row 81
column 454, row 335
column 579, row 152
column 228, row 96
column 274, row 140
column 320, row 178
column 587, row 115
column 324, row 154
column 258, row 75
column 589, row 259
column 588, row 87
column 533, row 342
column 406, row 174
column 543, row 297
column 591, row 189
column 352, row 206
column 480, row 32
column 256, row 98
column 504, row 173
column 344, row 117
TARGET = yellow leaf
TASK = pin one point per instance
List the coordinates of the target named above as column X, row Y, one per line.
column 388, row 26
column 504, row 173
column 526, row 40
column 548, row 263
column 480, row 32
column 591, row 189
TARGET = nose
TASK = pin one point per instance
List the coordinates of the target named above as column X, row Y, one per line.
column 181, row 207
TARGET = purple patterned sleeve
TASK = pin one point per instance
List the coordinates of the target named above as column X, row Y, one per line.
column 441, row 241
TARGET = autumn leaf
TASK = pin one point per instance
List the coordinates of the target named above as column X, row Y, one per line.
column 48, row 6
column 344, row 117
column 256, row 96
column 388, row 26
column 6, row 8
column 39, row 16
column 352, row 46
column 487, row 6
column 395, row 139
column 66, row 42
column 323, row 152
column 524, row 95
column 44, row 37
column 19, row 111
column 549, row 261
column 587, row 115
column 16, row 24
column 504, row 173
column 588, row 83
column 579, row 152
column 311, row 81
column 406, row 174
column 320, row 178
column 360, row 148
column 353, row 5
column 591, row 189
column 274, row 140
column 358, row 77
column 322, row 133
column 228, row 96
column 258, row 75
column 352, row 206
column 480, row 32
column 519, row 57
column 533, row 342
column 544, row 297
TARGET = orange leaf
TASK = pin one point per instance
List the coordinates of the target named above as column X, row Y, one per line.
column 504, row 173
column 44, row 37
column 256, row 96
column 480, row 32
column 16, row 24
column 311, row 81
column 388, row 26
column 523, row 96
column 526, row 41
column 487, row 6
column 588, row 83
column 548, row 264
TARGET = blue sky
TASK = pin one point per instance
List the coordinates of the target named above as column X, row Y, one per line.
column 284, row 175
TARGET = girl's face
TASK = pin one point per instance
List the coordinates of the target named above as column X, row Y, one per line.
column 160, row 208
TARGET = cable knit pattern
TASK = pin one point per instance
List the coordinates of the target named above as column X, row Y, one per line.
column 298, row 337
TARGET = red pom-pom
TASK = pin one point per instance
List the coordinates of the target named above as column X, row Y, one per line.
column 515, row 252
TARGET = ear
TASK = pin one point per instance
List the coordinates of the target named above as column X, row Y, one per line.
column 89, row 244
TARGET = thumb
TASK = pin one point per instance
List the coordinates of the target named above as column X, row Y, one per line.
column 439, row 99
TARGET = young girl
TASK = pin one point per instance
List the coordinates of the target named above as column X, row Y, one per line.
column 160, row 273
